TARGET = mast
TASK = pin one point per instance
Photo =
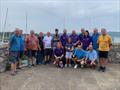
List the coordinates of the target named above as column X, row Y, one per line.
column 4, row 26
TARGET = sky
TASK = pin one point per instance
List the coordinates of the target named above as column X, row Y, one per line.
column 46, row 15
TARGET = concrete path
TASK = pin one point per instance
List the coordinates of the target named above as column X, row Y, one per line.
column 48, row 77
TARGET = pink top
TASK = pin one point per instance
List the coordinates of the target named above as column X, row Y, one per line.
column 32, row 42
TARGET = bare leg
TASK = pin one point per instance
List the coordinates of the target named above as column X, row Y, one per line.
column 45, row 58
column 12, row 68
column 29, row 61
column 15, row 66
column 33, row 61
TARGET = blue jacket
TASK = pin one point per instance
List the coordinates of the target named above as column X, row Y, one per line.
column 94, row 40
column 14, row 43
column 80, row 53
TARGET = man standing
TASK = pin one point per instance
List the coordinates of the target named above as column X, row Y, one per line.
column 91, row 57
column 94, row 38
column 105, row 43
column 81, row 36
column 74, row 37
column 47, row 47
column 40, row 54
column 56, row 38
column 32, row 45
column 64, row 38
column 14, row 49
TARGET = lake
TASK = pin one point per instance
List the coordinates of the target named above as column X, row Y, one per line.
column 116, row 39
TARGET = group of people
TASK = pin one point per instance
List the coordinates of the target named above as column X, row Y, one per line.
column 83, row 50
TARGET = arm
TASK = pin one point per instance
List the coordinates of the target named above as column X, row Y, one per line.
column 110, row 42
column 38, row 44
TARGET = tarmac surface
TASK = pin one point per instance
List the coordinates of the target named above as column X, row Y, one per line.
column 49, row 77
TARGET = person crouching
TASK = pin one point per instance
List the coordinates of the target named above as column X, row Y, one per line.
column 91, row 57
column 79, row 56
column 58, row 54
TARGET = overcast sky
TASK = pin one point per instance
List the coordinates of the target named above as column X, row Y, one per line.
column 46, row 15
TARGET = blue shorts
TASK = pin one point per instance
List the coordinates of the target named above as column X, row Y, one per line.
column 14, row 56
column 69, row 55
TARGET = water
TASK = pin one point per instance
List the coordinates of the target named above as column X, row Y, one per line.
column 116, row 39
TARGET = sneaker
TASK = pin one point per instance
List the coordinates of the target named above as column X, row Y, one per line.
column 29, row 66
column 16, row 72
column 69, row 65
column 33, row 65
column 100, row 69
column 61, row 65
column 12, row 73
column 82, row 66
column 103, row 69
column 75, row 66
column 65, row 65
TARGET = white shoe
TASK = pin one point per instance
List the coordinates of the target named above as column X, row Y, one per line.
column 65, row 65
column 82, row 66
column 69, row 65
column 75, row 66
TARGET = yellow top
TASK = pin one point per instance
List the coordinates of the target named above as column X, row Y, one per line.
column 104, row 42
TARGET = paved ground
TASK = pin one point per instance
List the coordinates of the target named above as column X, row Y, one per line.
column 48, row 77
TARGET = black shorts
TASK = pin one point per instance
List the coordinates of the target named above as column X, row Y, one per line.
column 47, row 52
column 103, row 54
column 31, row 53
column 88, row 62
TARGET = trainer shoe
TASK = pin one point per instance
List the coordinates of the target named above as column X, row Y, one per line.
column 75, row 66
column 69, row 65
column 65, row 65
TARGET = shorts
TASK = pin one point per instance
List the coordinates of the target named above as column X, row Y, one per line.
column 69, row 55
column 88, row 62
column 14, row 56
column 31, row 53
column 103, row 54
column 47, row 52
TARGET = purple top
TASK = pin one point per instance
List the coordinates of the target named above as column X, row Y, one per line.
column 58, row 52
column 86, row 41
column 64, row 39
column 74, row 38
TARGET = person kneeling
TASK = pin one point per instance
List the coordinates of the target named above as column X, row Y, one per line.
column 91, row 57
column 79, row 56
column 58, row 54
